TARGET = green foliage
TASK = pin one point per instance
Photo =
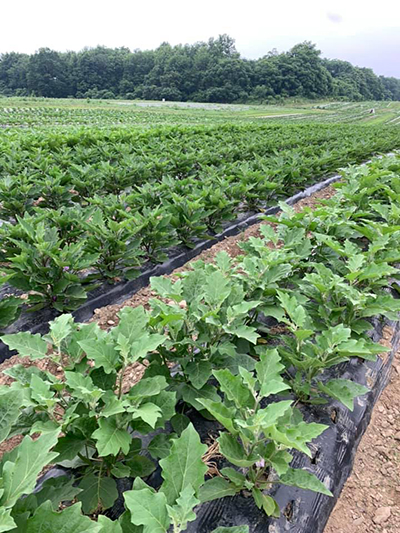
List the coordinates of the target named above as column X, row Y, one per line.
column 183, row 473
column 321, row 275
column 257, row 437
column 215, row 69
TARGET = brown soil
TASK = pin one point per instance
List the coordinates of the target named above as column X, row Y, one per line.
column 370, row 501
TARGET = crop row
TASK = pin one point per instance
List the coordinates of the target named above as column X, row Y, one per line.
column 321, row 275
column 38, row 117
column 83, row 207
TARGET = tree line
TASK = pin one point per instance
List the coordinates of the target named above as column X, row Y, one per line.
column 210, row 71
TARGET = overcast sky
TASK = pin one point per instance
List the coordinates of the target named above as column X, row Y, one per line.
column 365, row 32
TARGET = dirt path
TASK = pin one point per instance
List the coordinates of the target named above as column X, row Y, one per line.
column 370, row 501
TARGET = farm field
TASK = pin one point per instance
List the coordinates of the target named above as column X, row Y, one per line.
column 87, row 205
column 207, row 323
column 92, row 193
column 44, row 112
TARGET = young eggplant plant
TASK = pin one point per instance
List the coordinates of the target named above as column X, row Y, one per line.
column 116, row 245
column 258, row 437
column 204, row 321
column 307, row 354
column 48, row 269
column 89, row 402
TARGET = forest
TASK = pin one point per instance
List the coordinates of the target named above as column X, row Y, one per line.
column 212, row 71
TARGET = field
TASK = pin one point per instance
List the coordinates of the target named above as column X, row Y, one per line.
column 44, row 112
column 93, row 191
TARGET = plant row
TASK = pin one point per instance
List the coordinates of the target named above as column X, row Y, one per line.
column 12, row 115
column 318, row 276
column 71, row 221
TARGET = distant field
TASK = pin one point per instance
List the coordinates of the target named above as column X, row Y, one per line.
column 42, row 112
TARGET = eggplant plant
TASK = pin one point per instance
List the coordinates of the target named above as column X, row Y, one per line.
column 116, row 245
column 258, row 438
column 47, row 269
column 89, row 404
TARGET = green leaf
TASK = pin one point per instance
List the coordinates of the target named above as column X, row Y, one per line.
column 109, row 526
column 295, row 311
column 10, row 407
column 97, row 491
column 268, row 504
column 191, row 395
column 182, row 512
column 119, row 470
column 179, row 422
column 270, row 415
column 166, row 401
column 148, row 509
column 70, row 520
column 184, row 465
column 243, row 332
column 6, row 521
column 140, row 466
column 343, row 390
column 215, row 488
column 296, row 436
column 82, row 386
column 237, row 478
column 24, row 374
column 234, row 388
column 102, row 352
column 160, row 446
column 296, row 477
column 60, row 328
column 199, row 373
column 243, row 308
column 269, row 370
column 145, row 344
column 56, row 490
column 234, row 452
column 26, row 344
column 336, row 335
column 126, row 524
column 280, row 461
column 22, row 466
column 355, row 263
column 111, row 438
column 225, row 415
column 217, row 289
column 361, row 348
column 147, row 387
column 165, row 288
column 148, row 412
column 132, row 323
column 68, row 447
column 41, row 393
column 377, row 271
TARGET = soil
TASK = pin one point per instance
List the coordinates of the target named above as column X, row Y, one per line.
column 370, row 501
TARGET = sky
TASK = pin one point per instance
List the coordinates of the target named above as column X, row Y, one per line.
column 363, row 32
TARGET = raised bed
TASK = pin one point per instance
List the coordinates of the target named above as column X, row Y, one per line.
column 107, row 294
